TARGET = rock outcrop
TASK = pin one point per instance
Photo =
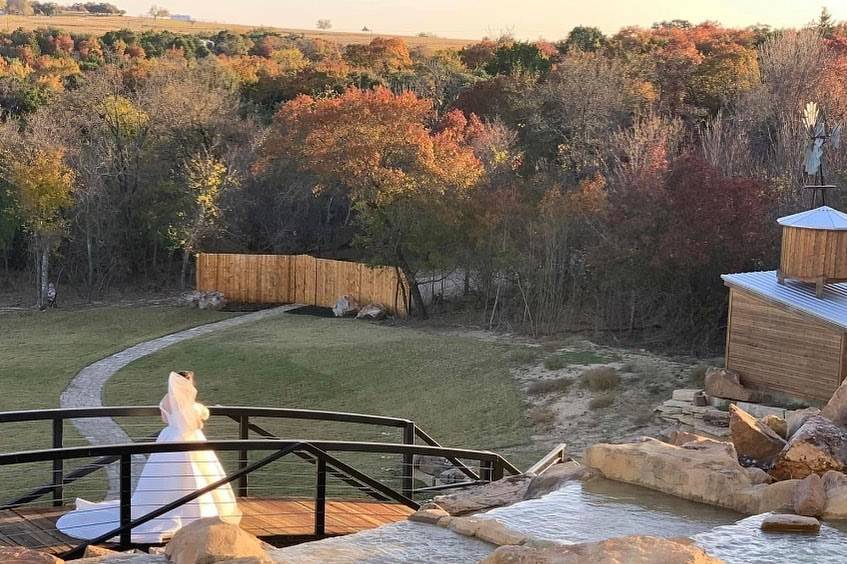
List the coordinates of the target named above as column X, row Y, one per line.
column 785, row 523
column 704, row 472
column 496, row 494
column 777, row 424
column 795, row 419
column 633, row 549
column 726, row 383
column 835, row 485
column 810, row 496
column 836, row 408
column 374, row 312
column 26, row 556
column 555, row 476
column 345, row 306
column 753, row 440
column 210, row 540
column 819, row 445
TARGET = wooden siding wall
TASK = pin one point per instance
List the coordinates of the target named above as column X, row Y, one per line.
column 810, row 253
column 783, row 351
column 302, row 279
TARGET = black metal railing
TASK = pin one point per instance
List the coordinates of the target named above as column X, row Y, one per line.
column 245, row 418
column 326, row 463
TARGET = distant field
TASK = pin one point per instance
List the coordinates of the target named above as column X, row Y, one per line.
column 101, row 24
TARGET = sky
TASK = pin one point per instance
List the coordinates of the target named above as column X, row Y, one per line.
column 525, row 19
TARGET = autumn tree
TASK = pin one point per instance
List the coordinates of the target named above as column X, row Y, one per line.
column 587, row 39
column 42, row 185
column 519, row 57
column 324, row 24
column 403, row 179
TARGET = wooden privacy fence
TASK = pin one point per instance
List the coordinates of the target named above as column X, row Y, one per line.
column 301, row 279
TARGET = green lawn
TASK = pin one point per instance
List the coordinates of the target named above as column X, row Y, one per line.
column 41, row 351
column 457, row 389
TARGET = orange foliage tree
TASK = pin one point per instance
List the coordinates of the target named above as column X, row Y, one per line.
column 403, row 178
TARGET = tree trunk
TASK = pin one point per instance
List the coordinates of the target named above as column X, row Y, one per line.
column 89, row 252
column 417, row 298
column 45, row 271
column 186, row 255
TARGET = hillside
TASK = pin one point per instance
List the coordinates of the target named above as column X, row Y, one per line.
column 101, row 24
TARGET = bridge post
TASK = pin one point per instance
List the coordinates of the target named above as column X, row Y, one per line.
column 58, row 464
column 243, row 434
column 497, row 471
column 486, row 470
column 125, row 500
column 320, row 498
column 409, row 460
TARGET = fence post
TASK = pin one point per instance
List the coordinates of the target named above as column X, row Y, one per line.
column 243, row 434
column 58, row 464
column 409, row 460
column 320, row 498
column 125, row 500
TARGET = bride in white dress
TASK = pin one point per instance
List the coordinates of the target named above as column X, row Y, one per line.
column 166, row 477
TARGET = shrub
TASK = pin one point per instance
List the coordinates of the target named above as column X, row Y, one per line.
column 542, row 416
column 555, row 362
column 550, row 386
column 523, row 356
column 602, row 401
column 600, row 379
column 697, row 376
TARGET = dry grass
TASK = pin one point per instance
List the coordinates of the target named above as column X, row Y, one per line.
column 602, row 401
column 542, row 416
column 101, row 24
column 697, row 376
column 549, row 386
column 523, row 356
column 600, row 379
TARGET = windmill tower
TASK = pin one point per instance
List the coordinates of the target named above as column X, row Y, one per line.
column 820, row 134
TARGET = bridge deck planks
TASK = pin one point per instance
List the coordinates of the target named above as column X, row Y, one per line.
column 36, row 527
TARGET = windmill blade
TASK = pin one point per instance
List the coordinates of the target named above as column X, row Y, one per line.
column 812, row 163
column 835, row 137
column 810, row 115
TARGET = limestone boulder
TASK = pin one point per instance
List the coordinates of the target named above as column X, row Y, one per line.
column 795, row 419
column 819, row 445
column 633, row 549
column 555, row 476
column 430, row 516
column 776, row 424
column 345, row 306
column 835, row 486
column 810, row 496
column 374, row 312
column 495, row 494
column 753, row 440
column 709, row 474
column 836, row 408
column 210, row 540
column 467, row 526
column 26, row 556
column 726, row 383
column 785, row 523
column 494, row 532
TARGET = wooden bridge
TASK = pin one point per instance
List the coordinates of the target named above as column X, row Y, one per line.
column 288, row 491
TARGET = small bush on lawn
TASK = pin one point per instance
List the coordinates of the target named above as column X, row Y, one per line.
column 542, row 416
column 550, row 386
column 555, row 362
column 697, row 376
column 600, row 379
column 523, row 356
column 602, row 401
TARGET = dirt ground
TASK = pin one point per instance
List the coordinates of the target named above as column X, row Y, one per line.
column 563, row 411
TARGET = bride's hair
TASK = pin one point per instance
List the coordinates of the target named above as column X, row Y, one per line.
column 188, row 375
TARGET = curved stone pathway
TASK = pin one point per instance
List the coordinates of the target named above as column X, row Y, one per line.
column 86, row 388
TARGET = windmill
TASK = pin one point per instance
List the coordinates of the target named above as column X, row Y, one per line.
column 820, row 133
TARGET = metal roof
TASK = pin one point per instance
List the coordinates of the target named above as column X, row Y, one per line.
column 831, row 308
column 823, row 217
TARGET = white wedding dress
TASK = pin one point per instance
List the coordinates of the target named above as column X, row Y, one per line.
column 166, row 477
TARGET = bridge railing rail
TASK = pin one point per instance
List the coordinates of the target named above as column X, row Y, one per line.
column 246, row 419
column 323, row 453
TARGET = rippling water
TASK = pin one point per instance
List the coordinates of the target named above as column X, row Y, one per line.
column 584, row 512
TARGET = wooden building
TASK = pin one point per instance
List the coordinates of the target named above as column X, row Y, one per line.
column 787, row 329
